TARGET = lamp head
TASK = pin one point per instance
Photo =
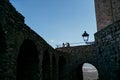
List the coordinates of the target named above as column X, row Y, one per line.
column 85, row 36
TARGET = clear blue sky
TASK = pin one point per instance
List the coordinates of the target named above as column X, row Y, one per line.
column 59, row 21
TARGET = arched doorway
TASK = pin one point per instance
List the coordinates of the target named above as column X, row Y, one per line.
column 54, row 67
column 46, row 66
column 79, row 73
column 89, row 72
column 62, row 68
column 27, row 63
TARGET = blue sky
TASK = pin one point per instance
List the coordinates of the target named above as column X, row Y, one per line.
column 59, row 21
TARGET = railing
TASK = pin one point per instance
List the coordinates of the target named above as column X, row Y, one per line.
column 74, row 44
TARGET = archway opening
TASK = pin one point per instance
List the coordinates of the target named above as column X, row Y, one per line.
column 89, row 72
column 46, row 66
column 62, row 68
column 27, row 64
column 54, row 67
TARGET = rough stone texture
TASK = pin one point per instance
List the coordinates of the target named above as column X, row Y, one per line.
column 24, row 55
column 108, row 51
column 78, row 56
column 107, row 12
column 17, row 46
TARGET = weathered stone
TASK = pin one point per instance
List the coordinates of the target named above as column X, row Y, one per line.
column 107, row 12
column 111, row 49
column 22, row 51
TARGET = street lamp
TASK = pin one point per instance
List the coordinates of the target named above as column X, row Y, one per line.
column 85, row 36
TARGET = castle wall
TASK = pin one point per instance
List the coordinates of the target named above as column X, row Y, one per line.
column 108, row 51
column 78, row 56
column 107, row 12
column 21, row 47
column 104, row 54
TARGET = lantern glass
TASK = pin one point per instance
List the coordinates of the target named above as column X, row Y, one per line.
column 85, row 36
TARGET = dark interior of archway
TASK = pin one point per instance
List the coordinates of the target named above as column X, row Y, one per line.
column 46, row 66
column 54, row 67
column 79, row 73
column 62, row 64
column 27, row 65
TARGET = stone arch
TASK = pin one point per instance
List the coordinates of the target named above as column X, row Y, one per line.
column 90, row 69
column 27, row 62
column 62, row 68
column 46, row 66
column 54, row 67
column 80, row 72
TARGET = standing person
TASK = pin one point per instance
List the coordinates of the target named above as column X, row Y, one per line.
column 63, row 45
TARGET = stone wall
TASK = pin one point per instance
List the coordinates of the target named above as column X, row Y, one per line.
column 78, row 56
column 22, row 51
column 107, row 12
column 108, row 51
column 82, row 54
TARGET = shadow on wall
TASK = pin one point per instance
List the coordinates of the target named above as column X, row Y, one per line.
column 27, row 63
column 2, row 53
column 62, row 68
column 46, row 66
column 54, row 67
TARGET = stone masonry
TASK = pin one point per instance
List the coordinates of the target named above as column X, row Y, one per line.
column 108, row 51
column 78, row 56
column 107, row 12
column 24, row 55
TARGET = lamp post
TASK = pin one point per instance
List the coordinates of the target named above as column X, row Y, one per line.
column 85, row 36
